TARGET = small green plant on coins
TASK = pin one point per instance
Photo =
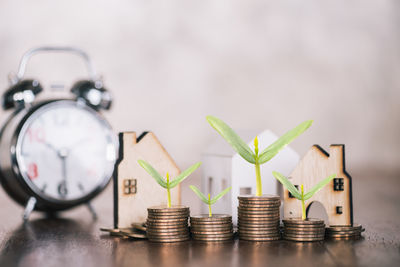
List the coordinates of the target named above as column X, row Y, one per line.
column 167, row 184
column 300, row 195
column 208, row 200
column 247, row 153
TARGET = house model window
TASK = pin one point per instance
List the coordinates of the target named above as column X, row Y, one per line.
column 130, row 186
column 338, row 184
column 339, row 209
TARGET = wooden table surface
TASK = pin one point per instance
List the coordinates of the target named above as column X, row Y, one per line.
column 74, row 238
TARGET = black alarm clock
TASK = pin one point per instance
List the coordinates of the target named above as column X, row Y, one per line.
column 56, row 154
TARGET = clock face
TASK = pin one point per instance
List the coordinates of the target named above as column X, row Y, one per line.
column 65, row 151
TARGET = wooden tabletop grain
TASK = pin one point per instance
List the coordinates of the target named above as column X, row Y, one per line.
column 74, row 239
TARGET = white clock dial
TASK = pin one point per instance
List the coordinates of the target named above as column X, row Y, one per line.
column 66, row 151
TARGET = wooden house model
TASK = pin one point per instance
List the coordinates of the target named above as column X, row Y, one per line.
column 223, row 167
column 134, row 189
column 336, row 197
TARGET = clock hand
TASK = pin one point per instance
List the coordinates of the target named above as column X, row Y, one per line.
column 51, row 147
column 62, row 187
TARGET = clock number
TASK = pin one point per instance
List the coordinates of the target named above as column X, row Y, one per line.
column 32, row 171
column 62, row 189
column 36, row 135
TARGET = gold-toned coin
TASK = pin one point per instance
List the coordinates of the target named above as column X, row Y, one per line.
column 260, row 229
column 134, row 235
column 211, row 232
column 214, row 217
column 260, row 239
column 200, row 229
column 185, row 219
column 166, row 209
column 259, row 209
column 258, row 233
column 167, row 230
column 258, row 215
column 267, row 205
column 344, row 227
column 109, row 230
column 169, row 240
column 250, row 219
column 167, row 226
column 343, row 236
column 262, row 211
column 139, row 226
column 213, row 239
column 211, row 223
column 303, row 239
column 258, row 226
column 259, row 198
column 308, row 221
column 169, row 213
column 165, row 235
column 171, row 218
column 304, row 228
column 304, row 235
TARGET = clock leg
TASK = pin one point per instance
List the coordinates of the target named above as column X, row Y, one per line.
column 92, row 210
column 30, row 205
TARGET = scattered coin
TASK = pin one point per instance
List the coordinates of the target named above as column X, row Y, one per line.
column 109, row 230
column 139, row 226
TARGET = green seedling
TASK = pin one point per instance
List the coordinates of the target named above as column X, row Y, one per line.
column 300, row 195
column 247, row 153
column 208, row 200
column 167, row 183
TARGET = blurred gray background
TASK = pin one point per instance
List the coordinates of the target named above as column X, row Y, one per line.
column 256, row 64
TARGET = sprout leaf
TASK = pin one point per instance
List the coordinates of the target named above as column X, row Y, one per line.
column 232, row 138
column 318, row 186
column 153, row 173
column 283, row 141
column 287, row 184
column 199, row 194
column 215, row 199
column 184, row 175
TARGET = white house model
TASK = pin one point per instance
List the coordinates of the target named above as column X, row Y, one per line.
column 223, row 167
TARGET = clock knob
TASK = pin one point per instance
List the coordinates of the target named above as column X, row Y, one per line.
column 94, row 94
column 20, row 94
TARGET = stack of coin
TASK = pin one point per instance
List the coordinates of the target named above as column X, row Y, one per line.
column 218, row 227
column 344, row 232
column 303, row 230
column 167, row 224
column 258, row 218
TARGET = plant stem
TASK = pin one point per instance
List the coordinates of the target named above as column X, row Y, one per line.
column 258, row 180
column 303, row 206
column 257, row 165
column 209, row 206
column 169, row 193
